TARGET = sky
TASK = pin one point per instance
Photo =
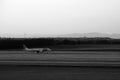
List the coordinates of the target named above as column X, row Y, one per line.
column 59, row 16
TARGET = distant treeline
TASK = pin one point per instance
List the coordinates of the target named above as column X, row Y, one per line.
column 16, row 43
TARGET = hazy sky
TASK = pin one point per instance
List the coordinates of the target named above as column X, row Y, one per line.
column 59, row 16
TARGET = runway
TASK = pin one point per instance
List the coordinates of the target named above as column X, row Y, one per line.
column 61, row 58
column 60, row 65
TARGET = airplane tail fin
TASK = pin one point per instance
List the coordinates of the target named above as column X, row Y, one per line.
column 25, row 47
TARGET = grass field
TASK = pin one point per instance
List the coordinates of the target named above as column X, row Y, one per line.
column 87, row 47
column 58, row 73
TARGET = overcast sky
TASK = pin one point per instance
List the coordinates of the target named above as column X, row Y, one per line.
column 59, row 16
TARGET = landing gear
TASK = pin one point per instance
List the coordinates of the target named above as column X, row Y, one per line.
column 37, row 51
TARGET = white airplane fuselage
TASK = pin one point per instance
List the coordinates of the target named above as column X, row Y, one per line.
column 37, row 50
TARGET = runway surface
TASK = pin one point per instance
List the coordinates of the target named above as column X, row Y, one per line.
column 60, row 65
column 61, row 58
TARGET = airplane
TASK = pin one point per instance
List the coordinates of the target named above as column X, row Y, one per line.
column 37, row 50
